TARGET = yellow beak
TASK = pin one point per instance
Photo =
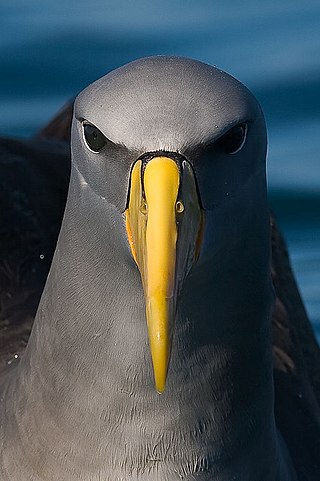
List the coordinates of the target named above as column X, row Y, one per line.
column 154, row 217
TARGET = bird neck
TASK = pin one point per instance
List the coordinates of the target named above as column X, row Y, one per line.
column 87, row 374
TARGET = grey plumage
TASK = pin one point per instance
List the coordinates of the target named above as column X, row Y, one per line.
column 81, row 404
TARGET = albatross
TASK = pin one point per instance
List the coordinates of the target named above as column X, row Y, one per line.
column 150, row 356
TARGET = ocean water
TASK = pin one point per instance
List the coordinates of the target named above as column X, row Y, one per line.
column 49, row 51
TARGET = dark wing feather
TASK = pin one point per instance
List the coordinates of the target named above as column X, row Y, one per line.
column 296, row 357
column 59, row 127
column 34, row 176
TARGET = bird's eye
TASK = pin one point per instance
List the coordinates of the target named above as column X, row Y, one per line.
column 94, row 138
column 233, row 140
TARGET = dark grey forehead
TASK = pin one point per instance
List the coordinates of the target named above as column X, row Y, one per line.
column 165, row 103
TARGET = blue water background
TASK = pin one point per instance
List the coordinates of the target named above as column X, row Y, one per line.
column 51, row 50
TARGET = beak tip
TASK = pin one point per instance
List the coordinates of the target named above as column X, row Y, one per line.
column 160, row 387
column 160, row 367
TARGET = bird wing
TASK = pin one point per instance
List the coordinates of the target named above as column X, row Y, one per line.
column 34, row 177
column 296, row 360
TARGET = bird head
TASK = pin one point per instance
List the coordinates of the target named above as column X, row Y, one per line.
column 170, row 142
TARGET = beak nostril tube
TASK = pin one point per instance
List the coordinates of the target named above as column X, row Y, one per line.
column 144, row 207
column 179, row 207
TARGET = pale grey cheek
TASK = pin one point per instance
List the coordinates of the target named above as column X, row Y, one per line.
column 107, row 177
column 215, row 238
